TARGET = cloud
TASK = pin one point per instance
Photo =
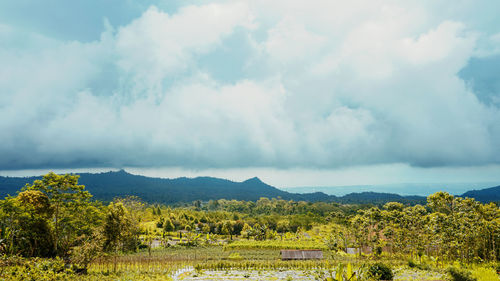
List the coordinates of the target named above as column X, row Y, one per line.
column 157, row 45
column 318, row 86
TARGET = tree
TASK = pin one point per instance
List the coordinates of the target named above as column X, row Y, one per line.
column 116, row 225
column 89, row 250
column 227, row 229
column 135, row 210
column 246, row 231
column 206, row 228
column 442, row 202
column 213, row 204
column 24, row 225
column 237, row 227
column 52, row 216
column 67, row 198
column 168, row 225
column 197, row 204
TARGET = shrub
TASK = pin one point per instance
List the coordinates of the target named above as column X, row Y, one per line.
column 275, row 244
column 485, row 274
column 458, row 274
column 380, row 271
column 421, row 266
column 37, row 269
column 235, row 257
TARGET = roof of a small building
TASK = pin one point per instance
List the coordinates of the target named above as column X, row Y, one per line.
column 301, row 254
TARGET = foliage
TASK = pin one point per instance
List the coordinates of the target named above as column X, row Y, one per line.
column 275, row 244
column 107, row 186
column 87, row 251
column 235, row 257
column 117, row 226
column 55, row 218
column 485, row 274
column 460, row 274
column 67, row 200
column 36, row 269
column 380, row 271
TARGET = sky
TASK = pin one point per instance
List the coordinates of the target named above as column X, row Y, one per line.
column 299, row 93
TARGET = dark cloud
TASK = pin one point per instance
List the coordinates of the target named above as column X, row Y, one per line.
column 236, row 85
column 482, row 75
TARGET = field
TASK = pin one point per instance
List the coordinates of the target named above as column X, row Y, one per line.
column 219, row 263
column 70, row 237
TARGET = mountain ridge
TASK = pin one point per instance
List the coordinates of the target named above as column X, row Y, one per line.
column 108, row 185
column 491, row 194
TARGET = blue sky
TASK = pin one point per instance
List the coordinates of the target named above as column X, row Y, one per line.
column 316, row 93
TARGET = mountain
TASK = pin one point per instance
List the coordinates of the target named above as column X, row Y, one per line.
column 380, row 198
column 415, row 188
column 108, row 185
column 491, row 194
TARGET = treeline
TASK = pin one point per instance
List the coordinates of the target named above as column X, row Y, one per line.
column 55, row 216
column 109, row 185
column 447, row 227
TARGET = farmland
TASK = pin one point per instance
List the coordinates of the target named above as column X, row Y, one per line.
column 127, row 239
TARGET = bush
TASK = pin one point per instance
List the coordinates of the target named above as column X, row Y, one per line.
column 235, row 257
column 380, row 271
column 412, row 264
column 485, row 274
column 458, row 274
column 36, row 269
column 421, row 266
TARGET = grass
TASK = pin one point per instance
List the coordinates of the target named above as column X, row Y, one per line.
column 163, row 262
column 276, row 245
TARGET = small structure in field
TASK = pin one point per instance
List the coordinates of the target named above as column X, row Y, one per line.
column 355, row 251
column 301, row 254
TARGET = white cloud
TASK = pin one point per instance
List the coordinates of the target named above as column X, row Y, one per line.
column 328, row 84
column 158, row 44
column 289, row 41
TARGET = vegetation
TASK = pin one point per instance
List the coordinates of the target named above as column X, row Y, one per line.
column 52, row 229
column 380, row 271
column 276, row 245
column 107, row 186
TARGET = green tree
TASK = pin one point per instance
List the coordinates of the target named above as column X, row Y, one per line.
column 168, row 225
column 67, row 199
column 24, row 225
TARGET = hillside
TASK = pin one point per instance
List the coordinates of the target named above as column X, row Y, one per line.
column 108, row 185
column 491, row 194
column 380, row 198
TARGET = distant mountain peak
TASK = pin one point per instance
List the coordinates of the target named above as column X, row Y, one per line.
column 123, row 172
column 120, row 183
column 253, row 180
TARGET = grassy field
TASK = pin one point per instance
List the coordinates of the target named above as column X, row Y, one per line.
column 128, row 240
column 221, row 263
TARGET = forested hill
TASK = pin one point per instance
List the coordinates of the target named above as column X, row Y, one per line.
column 491, row 194
column 106, row 186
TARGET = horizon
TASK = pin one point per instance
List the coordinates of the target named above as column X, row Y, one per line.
column 403, row 189
column 317, row 94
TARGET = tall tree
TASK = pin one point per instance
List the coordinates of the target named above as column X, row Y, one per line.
column 67, row 199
